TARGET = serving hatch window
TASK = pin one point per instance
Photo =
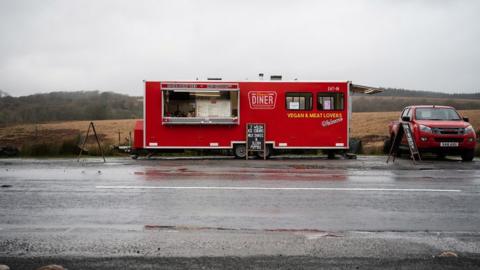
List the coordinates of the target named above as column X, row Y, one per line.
column 200, row 107
column 298, row 101
column 330, row 101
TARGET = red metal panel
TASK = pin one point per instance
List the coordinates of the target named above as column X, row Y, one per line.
column 153, row 112
column 138, row 135
column 313, row 128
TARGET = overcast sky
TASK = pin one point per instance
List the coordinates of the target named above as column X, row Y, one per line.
column 114, row 45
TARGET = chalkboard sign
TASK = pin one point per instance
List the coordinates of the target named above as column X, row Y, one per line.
column 404, row 129
column 411, row 142
column 255, row 137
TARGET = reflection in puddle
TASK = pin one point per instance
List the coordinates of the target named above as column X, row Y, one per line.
column 287, row 174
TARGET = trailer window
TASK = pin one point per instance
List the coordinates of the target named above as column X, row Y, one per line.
column 200, row 107
column 330, row 101
column 298, row 101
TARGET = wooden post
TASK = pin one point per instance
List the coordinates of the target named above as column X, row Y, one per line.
column 97, row 139
column 84, row 142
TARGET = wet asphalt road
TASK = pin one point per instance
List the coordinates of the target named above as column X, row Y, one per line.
column 223, row 213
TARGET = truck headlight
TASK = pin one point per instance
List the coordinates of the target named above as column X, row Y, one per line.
column 424, row 128
column 469, row 129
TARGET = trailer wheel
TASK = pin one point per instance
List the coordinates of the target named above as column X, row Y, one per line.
column 240, row 150
column 331, row 154
column 268, row 151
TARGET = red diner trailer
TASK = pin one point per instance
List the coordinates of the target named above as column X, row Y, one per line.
column 214, row 115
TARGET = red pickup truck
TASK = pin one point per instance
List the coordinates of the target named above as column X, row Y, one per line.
column 437, row 129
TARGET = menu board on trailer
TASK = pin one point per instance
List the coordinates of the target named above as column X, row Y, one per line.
column 213, row 107
column 255, row 138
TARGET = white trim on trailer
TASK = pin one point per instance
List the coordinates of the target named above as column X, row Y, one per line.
column 236, row 142
column 243, row 142
column 188, row 147
column 162, row 104
column 311, row 147
column 187, row 90
column 238, row 105
column 349, row 113
column 144, row 114
column 230, row 147
column 254, row 81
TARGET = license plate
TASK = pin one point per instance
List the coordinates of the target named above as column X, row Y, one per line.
column 449, row 144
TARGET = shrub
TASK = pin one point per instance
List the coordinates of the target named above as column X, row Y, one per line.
column 39, row 149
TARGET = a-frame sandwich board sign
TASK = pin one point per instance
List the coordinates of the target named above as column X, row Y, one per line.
column 404, row 129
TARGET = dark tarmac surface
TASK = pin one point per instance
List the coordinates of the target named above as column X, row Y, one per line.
column 235, row 214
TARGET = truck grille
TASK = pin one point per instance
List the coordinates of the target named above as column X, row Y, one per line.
column 449, row 140
column 456, row 131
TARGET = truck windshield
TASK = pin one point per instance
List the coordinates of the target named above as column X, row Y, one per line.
column 436, row 114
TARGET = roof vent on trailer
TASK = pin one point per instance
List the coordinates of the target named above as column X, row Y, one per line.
column 214, row 79
column 276, row 77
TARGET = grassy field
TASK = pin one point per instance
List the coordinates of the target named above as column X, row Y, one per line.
column 62, row 137
column 108, row 130
column 371, row 128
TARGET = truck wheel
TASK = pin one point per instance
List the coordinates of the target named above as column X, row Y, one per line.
column 468, row 155
column 239, row 150
column 268, row 152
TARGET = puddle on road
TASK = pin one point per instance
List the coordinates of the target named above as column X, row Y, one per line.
column 237, row 175
column 309, row 233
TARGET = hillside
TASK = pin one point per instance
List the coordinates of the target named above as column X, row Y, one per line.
column 378, row 103
column 95, row 105
column 398, row 92
column 66, row 106
column 3, row 93
column 393, row 99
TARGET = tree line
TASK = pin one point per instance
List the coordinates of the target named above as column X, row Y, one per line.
column 395, row 99
column 382, row 104
column 96, row 105
column 400, row 92
column 64, row 106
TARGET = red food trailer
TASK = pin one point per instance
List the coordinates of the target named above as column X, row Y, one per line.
column 215, row 114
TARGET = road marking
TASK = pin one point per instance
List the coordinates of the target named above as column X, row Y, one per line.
column 283, row 188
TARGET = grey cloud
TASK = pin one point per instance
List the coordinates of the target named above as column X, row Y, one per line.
column 114, row 45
